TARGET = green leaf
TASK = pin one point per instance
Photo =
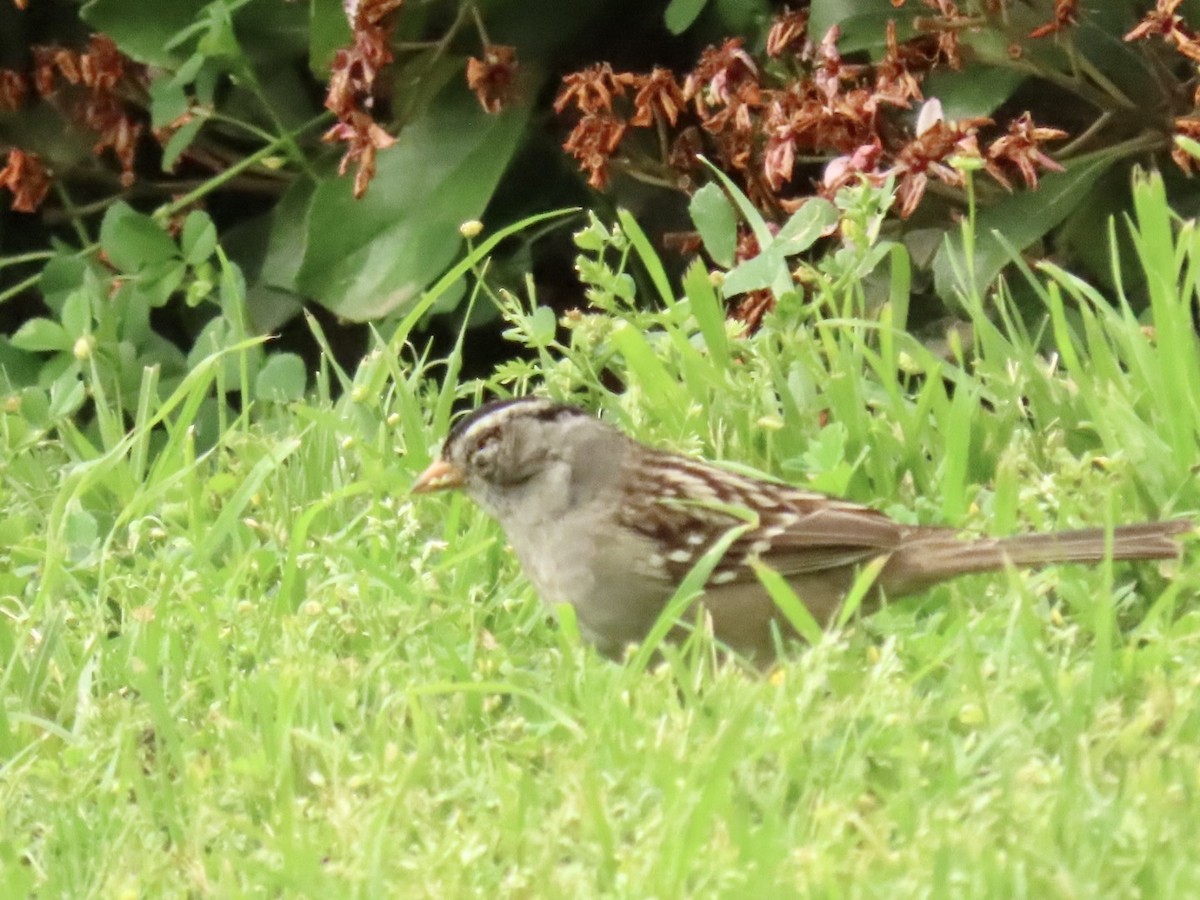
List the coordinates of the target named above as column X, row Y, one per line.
column 273, row 246
column 187, row 72
column 168, row 101
column 215, row 337
column 1099, row 39
column 40, row 336
column 593, row 237
column 132, row 241
column 329, row 30
column 133, row 322
column 680, row 14
column 15, row 528
column 269, row 308
column 1016, row 222
column 863, row 23
column 35, row 407
column 367, row 258
column 143, row 30
column 155, row 350
column 708, row 311
column 199, row 238
column 807, row 224
column 855, row 265
column 541, row 324
column 716, row 221
column 161, row 280
column 762, row 271
column 18, row 368
column 650, row 259
column 965, row 95
column 219, row 39
column 179, row 142
column 82, row 532
column 233, row 289
column 60, row 276
column 281, row 379
column 53, row 367
column 77, row 315
column 66, row 395
column 749, row 211
column 662, row 391
column 1083, row 241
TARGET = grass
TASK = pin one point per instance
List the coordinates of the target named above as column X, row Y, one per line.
column 262, row 668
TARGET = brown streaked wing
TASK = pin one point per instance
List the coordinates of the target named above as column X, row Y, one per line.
column 826, row 536
column 799, row 531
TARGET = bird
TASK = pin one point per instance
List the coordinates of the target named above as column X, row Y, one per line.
column 612, row 526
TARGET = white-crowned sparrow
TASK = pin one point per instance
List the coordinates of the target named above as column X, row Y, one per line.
column 612, row 526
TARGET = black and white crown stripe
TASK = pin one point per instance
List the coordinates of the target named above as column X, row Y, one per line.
column 492, row 415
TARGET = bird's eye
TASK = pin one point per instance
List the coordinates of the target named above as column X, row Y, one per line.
column 503, row 459
column 483, row 457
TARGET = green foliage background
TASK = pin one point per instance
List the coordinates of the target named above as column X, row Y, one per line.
column 237, row 658
column 249, row 77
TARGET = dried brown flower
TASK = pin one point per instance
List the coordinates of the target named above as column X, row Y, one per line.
column 99, row 68
column 591, row 90
column 14, row 88
column 752, row 307
column 1170, row 26
column 355, row 69
column 1020, row 148
column 351, row 92
column 1065, row 13
column 369, row 12
column 26, row 177
column 1167, row 23
column 1189, row 126
column 685, row 243
column 117, row 130
column 779, row 158
column 830, row 72
column 735, row 150
column 792, row 120
column 1162, row 21
column 788, row 30
column 103, row 65
column 45, row 70
column 593, row 142
column 725, row 77
column 895, row 83
column 658, row 97
column 845, row 170
column 945, row 26
column 493, row 78
column 99, row 71
column 829, row 113
column 364, row 137
column 928, row 153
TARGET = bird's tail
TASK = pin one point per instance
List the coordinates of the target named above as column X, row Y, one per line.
column 935, row 554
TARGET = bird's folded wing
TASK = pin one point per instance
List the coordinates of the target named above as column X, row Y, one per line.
column 828, row 535
column 803, row 533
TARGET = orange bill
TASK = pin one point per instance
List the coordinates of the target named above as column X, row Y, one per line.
column 440, row 476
